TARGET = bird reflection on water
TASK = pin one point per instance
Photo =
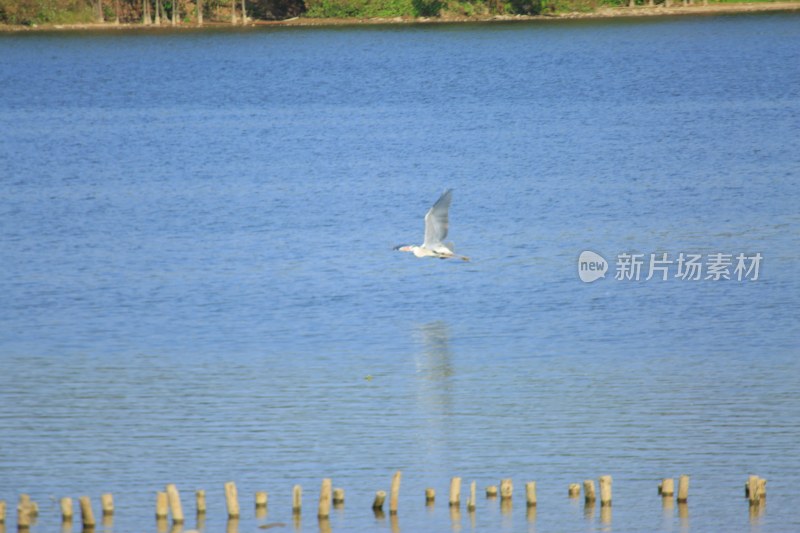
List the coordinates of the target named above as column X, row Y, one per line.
column 435, row 361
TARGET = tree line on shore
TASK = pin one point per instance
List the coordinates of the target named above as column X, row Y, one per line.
column 197, row 12
column 148, row 12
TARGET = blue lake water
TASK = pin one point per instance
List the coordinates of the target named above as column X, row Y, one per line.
column 198, row 282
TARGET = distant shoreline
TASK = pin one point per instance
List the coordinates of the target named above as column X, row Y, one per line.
column 599, row 13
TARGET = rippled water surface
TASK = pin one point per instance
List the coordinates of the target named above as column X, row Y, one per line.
column 198, row 282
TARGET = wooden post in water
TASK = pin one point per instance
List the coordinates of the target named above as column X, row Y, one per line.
column 2, row 511
column 574, row 490
column 530, row 493
column 588, row 491
column 25, row 512
column 87, row 515
column 262, row 498
column 23, row 517
column 31, row 507
column 232, row 499
column 761, row 484
column 107, row 504
column 174, row 498
column 455, row 492
column 754, row 490
column 667, row 487
column 297, row 499
column 394, row 495
column 471, row 502
column 430, row 496
column 683, row 489
column 605, row 490
column 200, row 501
column 338, row 498
column 161, row 505
column 491, row 491
column 377, row 503
column 751, row 491
column 506, row 489
column 325, row 499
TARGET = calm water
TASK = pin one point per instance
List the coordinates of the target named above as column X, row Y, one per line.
column 198, row 283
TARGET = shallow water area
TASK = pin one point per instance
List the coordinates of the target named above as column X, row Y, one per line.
column 199, row 283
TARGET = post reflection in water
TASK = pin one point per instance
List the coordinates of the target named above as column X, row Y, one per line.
column 757, row 511
column 507, row 513
column 455, row 518
column 605, row 515
column 325, row 525
column 531, row 513
column 683, row 515
column 667, row 512
column 506, row 506
column 588, row 510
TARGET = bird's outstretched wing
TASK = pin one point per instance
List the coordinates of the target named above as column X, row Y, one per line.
column 436, row 221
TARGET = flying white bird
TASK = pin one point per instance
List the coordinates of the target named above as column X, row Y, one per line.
column 436, row 222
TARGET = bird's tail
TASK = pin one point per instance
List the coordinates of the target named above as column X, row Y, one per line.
column 452, row 248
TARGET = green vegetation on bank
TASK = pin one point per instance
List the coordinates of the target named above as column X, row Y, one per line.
column 41, row 11
column 33, row 12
